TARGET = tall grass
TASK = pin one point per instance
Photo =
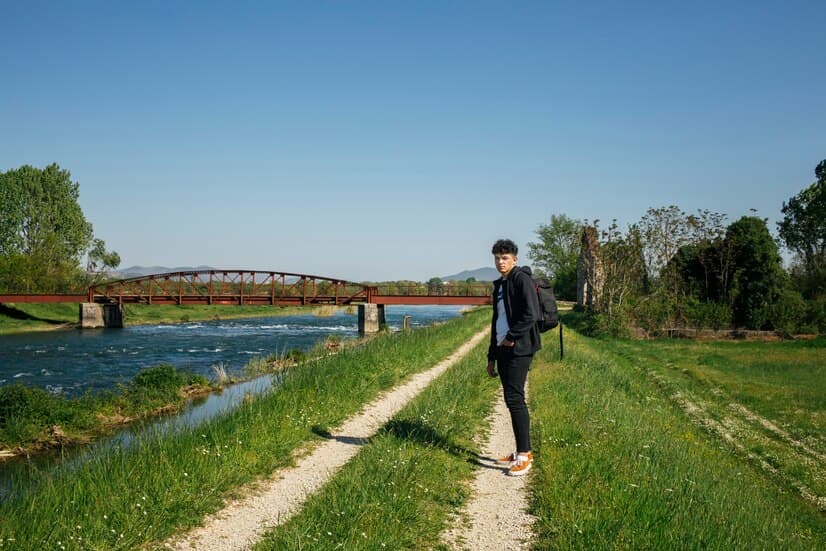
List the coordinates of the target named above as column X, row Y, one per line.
column 621, row 465
column 399, row 490
column 33, row 418
column 120, row 499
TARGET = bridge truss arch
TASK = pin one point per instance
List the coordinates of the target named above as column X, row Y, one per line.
column 227, row 287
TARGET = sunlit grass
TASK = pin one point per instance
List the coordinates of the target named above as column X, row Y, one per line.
column 123, row 498
column 398, row 491
column 620, row 464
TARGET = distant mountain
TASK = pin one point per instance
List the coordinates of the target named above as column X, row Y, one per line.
column 480, row 274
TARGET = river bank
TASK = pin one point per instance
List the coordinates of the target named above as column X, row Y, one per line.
column 16, row 318
column 176, row 477
column 80, row 386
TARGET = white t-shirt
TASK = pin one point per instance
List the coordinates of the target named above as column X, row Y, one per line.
column 502, row 326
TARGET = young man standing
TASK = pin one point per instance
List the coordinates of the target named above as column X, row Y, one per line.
column 514, row 340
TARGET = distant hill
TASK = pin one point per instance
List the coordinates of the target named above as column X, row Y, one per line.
column 480, row 274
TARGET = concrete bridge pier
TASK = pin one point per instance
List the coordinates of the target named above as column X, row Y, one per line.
column 93, row 316
column 371, row 318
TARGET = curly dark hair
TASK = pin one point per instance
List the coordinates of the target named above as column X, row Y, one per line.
column 504, row 246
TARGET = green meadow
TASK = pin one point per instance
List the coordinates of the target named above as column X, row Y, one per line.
column 638, row 444
column 680, row 444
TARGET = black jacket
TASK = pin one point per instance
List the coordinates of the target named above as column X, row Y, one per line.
column 522, row 309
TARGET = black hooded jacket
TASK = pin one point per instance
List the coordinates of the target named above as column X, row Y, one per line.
column 522, row 309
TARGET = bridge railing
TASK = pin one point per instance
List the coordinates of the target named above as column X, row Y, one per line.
column 441, row 290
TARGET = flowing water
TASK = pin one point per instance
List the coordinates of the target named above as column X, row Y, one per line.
column 73, row 362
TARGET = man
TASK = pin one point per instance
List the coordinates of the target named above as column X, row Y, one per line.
column 514, row 340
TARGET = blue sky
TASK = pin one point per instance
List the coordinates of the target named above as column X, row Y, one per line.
column 389, row 140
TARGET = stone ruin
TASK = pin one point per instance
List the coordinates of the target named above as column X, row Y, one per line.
column 589, row 272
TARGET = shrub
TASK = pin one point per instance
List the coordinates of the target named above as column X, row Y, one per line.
column 817, row 313
column 706, row 314
column 789, row 312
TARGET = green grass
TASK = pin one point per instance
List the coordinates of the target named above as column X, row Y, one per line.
column 621, row 465
column 19, row 318
column 399, row 489
column 120, row 499
column 32, row 418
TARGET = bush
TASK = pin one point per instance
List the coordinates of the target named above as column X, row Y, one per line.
column 652, row 313
column 788, row 313
column 817, row 313
column 706, row 314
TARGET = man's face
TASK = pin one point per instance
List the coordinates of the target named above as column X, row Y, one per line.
column 504, row 263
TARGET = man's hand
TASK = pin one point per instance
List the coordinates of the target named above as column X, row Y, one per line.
column 507, row 344
column 492, row 369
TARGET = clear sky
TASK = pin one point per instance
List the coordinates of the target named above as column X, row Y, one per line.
column 390, row 140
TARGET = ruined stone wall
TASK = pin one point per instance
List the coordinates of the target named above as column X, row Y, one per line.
column 589, row 273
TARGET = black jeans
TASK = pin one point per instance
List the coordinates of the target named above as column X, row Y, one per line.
column 513, row 372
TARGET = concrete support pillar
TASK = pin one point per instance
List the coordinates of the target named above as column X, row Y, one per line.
column 113, row 315
column 406, row 323
column 91, row 316
column 95, row 316
column 371, row 318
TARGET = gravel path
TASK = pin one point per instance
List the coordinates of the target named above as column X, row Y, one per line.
column 242, row 523
column 496, row 516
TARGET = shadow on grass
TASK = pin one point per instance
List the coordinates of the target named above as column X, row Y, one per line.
column 414, row 431
column 14, row 313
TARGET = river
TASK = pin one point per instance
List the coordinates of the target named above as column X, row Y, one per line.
column 72, row 362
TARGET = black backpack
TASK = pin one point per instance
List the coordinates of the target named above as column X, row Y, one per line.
column 547, row 305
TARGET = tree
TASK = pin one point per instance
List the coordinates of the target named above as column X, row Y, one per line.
column 758, row 277
column 623, row 268
column 100, row 260
column 664, row 230
column 557, row 253
column 803, row 230
column 44, row 232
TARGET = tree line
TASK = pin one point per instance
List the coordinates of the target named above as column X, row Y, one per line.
column 44, row 235
column 674, row 269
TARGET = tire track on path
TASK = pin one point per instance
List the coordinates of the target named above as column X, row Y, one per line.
column 241, row 523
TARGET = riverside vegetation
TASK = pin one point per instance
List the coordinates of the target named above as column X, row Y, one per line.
column 638, row 444
column 33, row 419
column 123, row 498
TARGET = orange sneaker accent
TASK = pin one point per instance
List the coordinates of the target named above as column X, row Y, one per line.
column 507, row 460
column 522, row 465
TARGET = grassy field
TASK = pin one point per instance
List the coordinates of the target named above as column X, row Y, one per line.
column 638, row 445
column 17, row 318
column 122, row 499
column 647, row 445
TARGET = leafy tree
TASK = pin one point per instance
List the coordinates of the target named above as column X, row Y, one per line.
column 758, row 278
column 623, row 268
column 557, row 251
column 664, row 230
column 803, row 230
column 43, row 232
column 99, row 259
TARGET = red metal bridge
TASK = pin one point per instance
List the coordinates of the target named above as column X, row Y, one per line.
column 255, row 287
